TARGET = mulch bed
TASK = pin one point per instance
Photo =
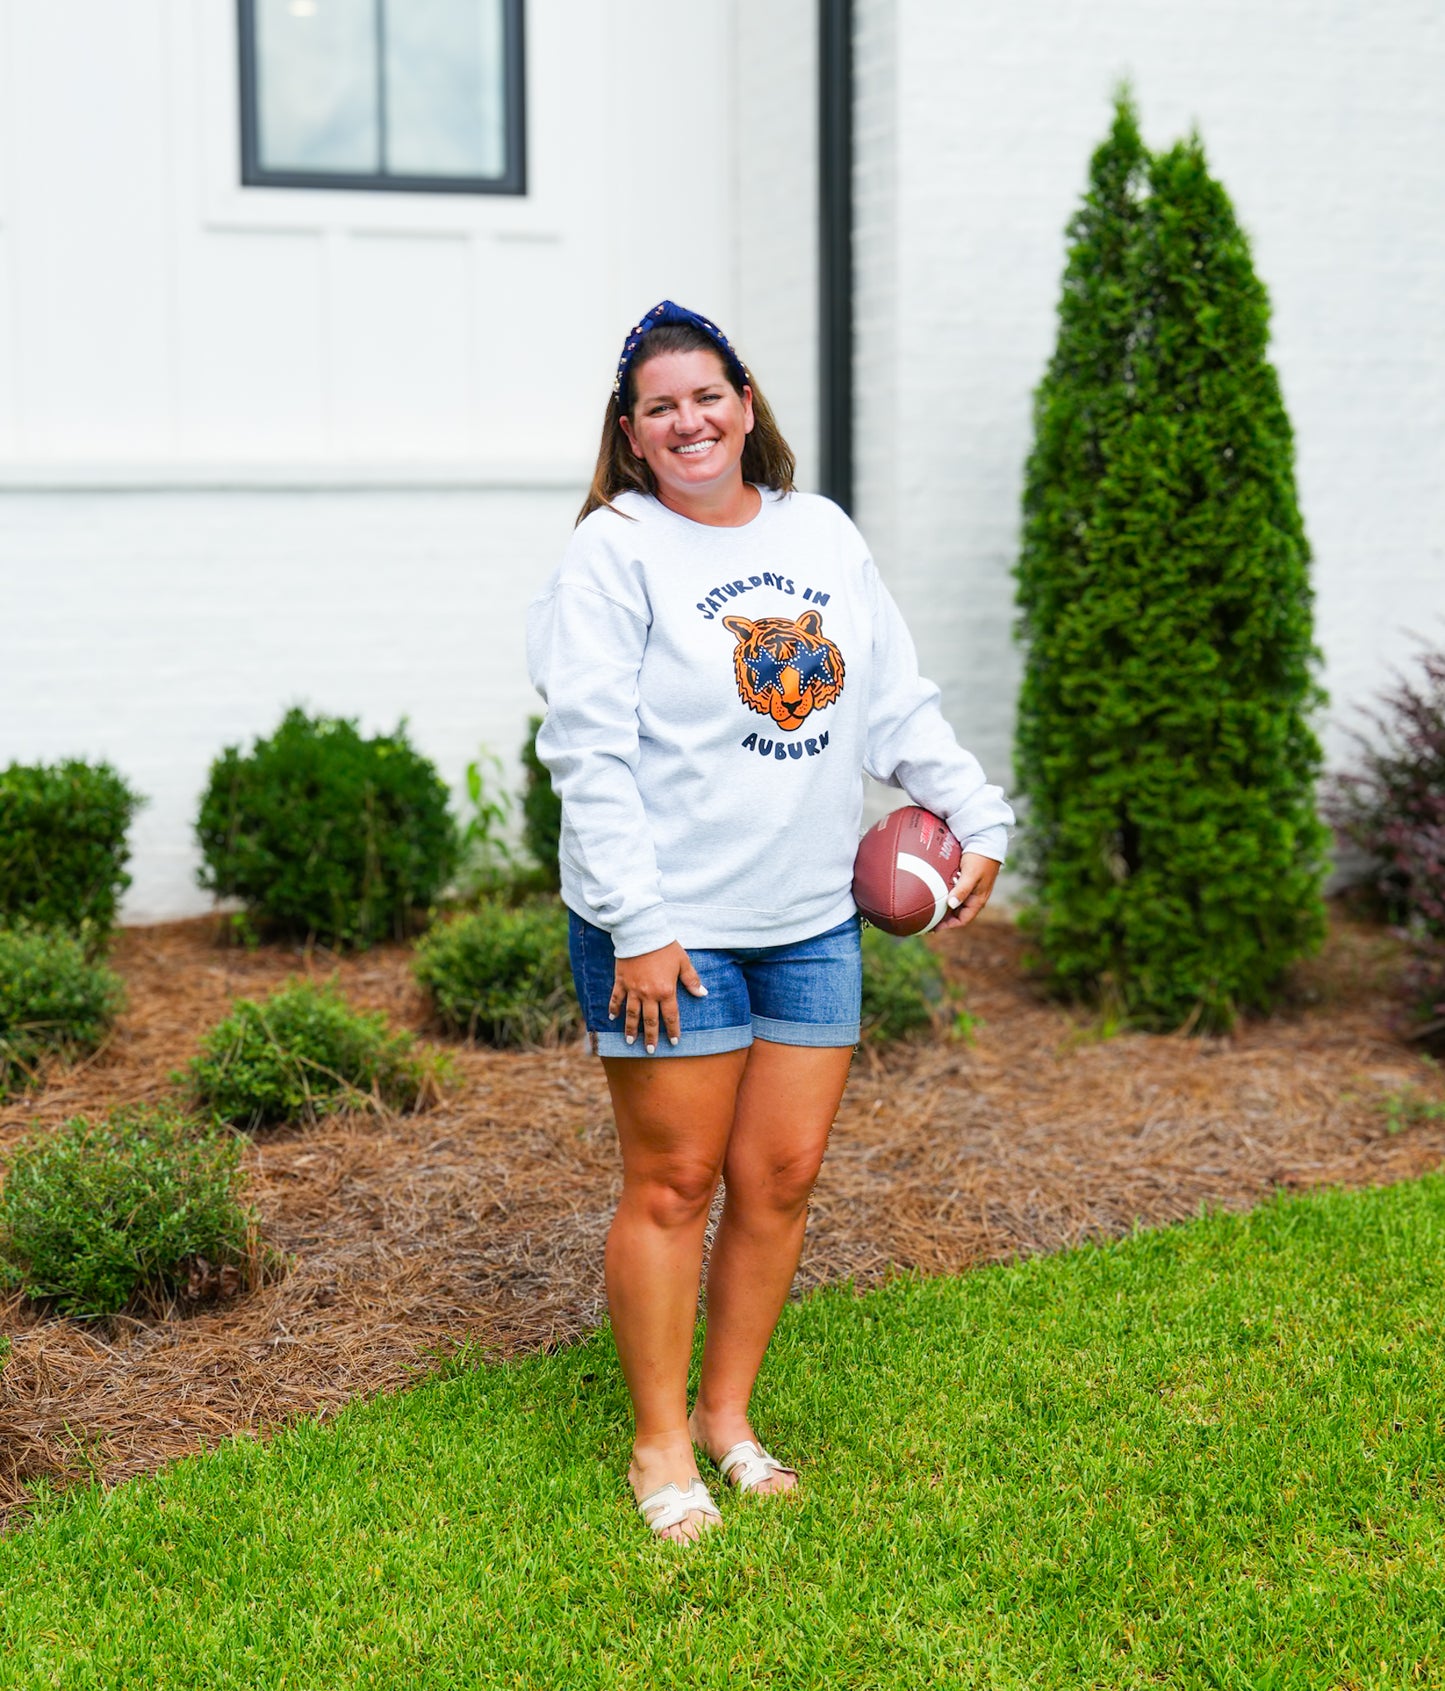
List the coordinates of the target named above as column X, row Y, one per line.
column 485, row 1216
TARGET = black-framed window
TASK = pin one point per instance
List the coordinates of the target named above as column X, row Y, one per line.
column 411, row 95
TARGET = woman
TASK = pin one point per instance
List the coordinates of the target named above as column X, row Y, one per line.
column 721, row 662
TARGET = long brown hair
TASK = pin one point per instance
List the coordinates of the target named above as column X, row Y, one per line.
column 768, row 460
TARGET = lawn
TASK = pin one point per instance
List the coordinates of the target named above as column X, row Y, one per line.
column 1209, row 1455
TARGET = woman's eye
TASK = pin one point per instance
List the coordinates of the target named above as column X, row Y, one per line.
column 709, row 398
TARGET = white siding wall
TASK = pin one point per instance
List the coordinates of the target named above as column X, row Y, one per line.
column 975, row 126
column 776, row 250
column 260, row 446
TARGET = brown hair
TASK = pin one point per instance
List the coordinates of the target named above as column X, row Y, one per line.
column 768, row 460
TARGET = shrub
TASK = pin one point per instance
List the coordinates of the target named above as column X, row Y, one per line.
column 1164, row 741
column 63, row 845
column 903, row 986
column 303, row 1054
column 541, row 810
column 53, row 1002
column 140, row 1206
column 1394, row 810
column 500, row 975
column 325, row 834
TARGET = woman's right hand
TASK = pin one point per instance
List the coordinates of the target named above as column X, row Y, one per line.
column 647, row 985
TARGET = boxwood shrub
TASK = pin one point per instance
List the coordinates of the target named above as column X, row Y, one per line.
column 500, row 975
column 141, row 1206
column 903, row 987
column 304, row 1053
column 63, row 845
column 54, row 1001
column 326, row 834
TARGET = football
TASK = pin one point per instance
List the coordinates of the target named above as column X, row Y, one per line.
column 905, row 867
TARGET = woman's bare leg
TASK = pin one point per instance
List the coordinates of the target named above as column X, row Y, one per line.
column 674, row 1116
column 786, row 1103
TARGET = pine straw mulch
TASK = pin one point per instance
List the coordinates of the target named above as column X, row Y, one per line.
column 485, row 1216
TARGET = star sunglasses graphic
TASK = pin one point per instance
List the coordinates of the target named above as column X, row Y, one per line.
column 785, row 667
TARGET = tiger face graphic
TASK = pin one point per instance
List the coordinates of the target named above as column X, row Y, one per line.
column 785, row 668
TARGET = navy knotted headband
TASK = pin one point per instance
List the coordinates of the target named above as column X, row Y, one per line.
column 669, row 312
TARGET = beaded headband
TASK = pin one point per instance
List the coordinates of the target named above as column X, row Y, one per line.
column 668, row 312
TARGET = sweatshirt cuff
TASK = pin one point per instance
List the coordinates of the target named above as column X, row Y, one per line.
column 648, row 930
column 989, row 842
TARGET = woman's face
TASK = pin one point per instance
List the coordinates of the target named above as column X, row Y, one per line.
column 688, row 422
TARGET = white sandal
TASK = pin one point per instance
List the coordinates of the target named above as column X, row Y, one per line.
column 747, row 1465
column 670, row 1505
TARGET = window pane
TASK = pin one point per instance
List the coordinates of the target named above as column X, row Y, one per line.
column 316, row 63
column 445, row 107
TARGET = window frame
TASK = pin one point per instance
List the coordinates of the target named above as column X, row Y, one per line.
column 513, row 180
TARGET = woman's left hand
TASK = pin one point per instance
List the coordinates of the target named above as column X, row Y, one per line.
column 976, row 876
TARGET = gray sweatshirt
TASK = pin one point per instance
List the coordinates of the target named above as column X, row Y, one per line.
column 714, row 696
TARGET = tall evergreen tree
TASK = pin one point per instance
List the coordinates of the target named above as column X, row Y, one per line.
column 1164, row 741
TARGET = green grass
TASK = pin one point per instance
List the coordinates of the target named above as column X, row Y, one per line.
column 1210, row 1456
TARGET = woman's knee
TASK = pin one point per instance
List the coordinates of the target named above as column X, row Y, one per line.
column 778, row 1185
column 672, row 1194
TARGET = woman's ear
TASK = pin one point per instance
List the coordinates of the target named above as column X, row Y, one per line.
column 626, row 425
column 747, row 409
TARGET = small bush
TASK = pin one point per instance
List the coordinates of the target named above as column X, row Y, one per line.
column 141, row 1206
column 1394, row 810
column 500, row 976
column 541, row 810
column 63, row 845
column 328, row 835
column 303, row 1054
column 903, row 987
column 53, row 1002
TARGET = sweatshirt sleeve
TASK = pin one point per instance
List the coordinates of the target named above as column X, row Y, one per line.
column 584, row 651
column 911, row 745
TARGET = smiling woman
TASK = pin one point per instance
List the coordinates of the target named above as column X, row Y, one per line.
column 707, row 859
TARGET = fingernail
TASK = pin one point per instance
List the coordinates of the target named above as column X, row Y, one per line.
column 672, row 1039
column 632, row 1039
column 702, row 992
column 651, row 1049
column 952, row 901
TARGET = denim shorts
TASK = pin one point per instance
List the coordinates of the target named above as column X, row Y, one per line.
column 806, row 993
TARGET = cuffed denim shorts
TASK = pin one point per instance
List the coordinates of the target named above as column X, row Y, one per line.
column 806, row 993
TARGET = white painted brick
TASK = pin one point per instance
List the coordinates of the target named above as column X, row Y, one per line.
column 158, row 628
column 975, row 128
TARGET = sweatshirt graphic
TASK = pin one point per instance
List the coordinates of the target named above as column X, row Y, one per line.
column 714, row 696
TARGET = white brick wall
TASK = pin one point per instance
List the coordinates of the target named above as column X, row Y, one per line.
column 975, row 124
column 159, row 627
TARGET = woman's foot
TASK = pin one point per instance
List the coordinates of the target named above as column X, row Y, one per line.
column 657, row 1463
column 717, row 1434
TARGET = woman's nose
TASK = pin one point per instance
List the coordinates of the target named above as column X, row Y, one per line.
column 687, row 418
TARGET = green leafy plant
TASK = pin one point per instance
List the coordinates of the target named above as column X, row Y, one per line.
column 904, row 991
column 326, row 834
column 141, row 1206
column 491, row 867
column 1164, row 741
column 304, row 1053
column 1409, row 1106
column 63, row 845
column 500, row 975
column 541, row 809
column 54, row 1002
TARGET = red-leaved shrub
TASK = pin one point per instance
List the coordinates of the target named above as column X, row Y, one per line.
column 1393, row 808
